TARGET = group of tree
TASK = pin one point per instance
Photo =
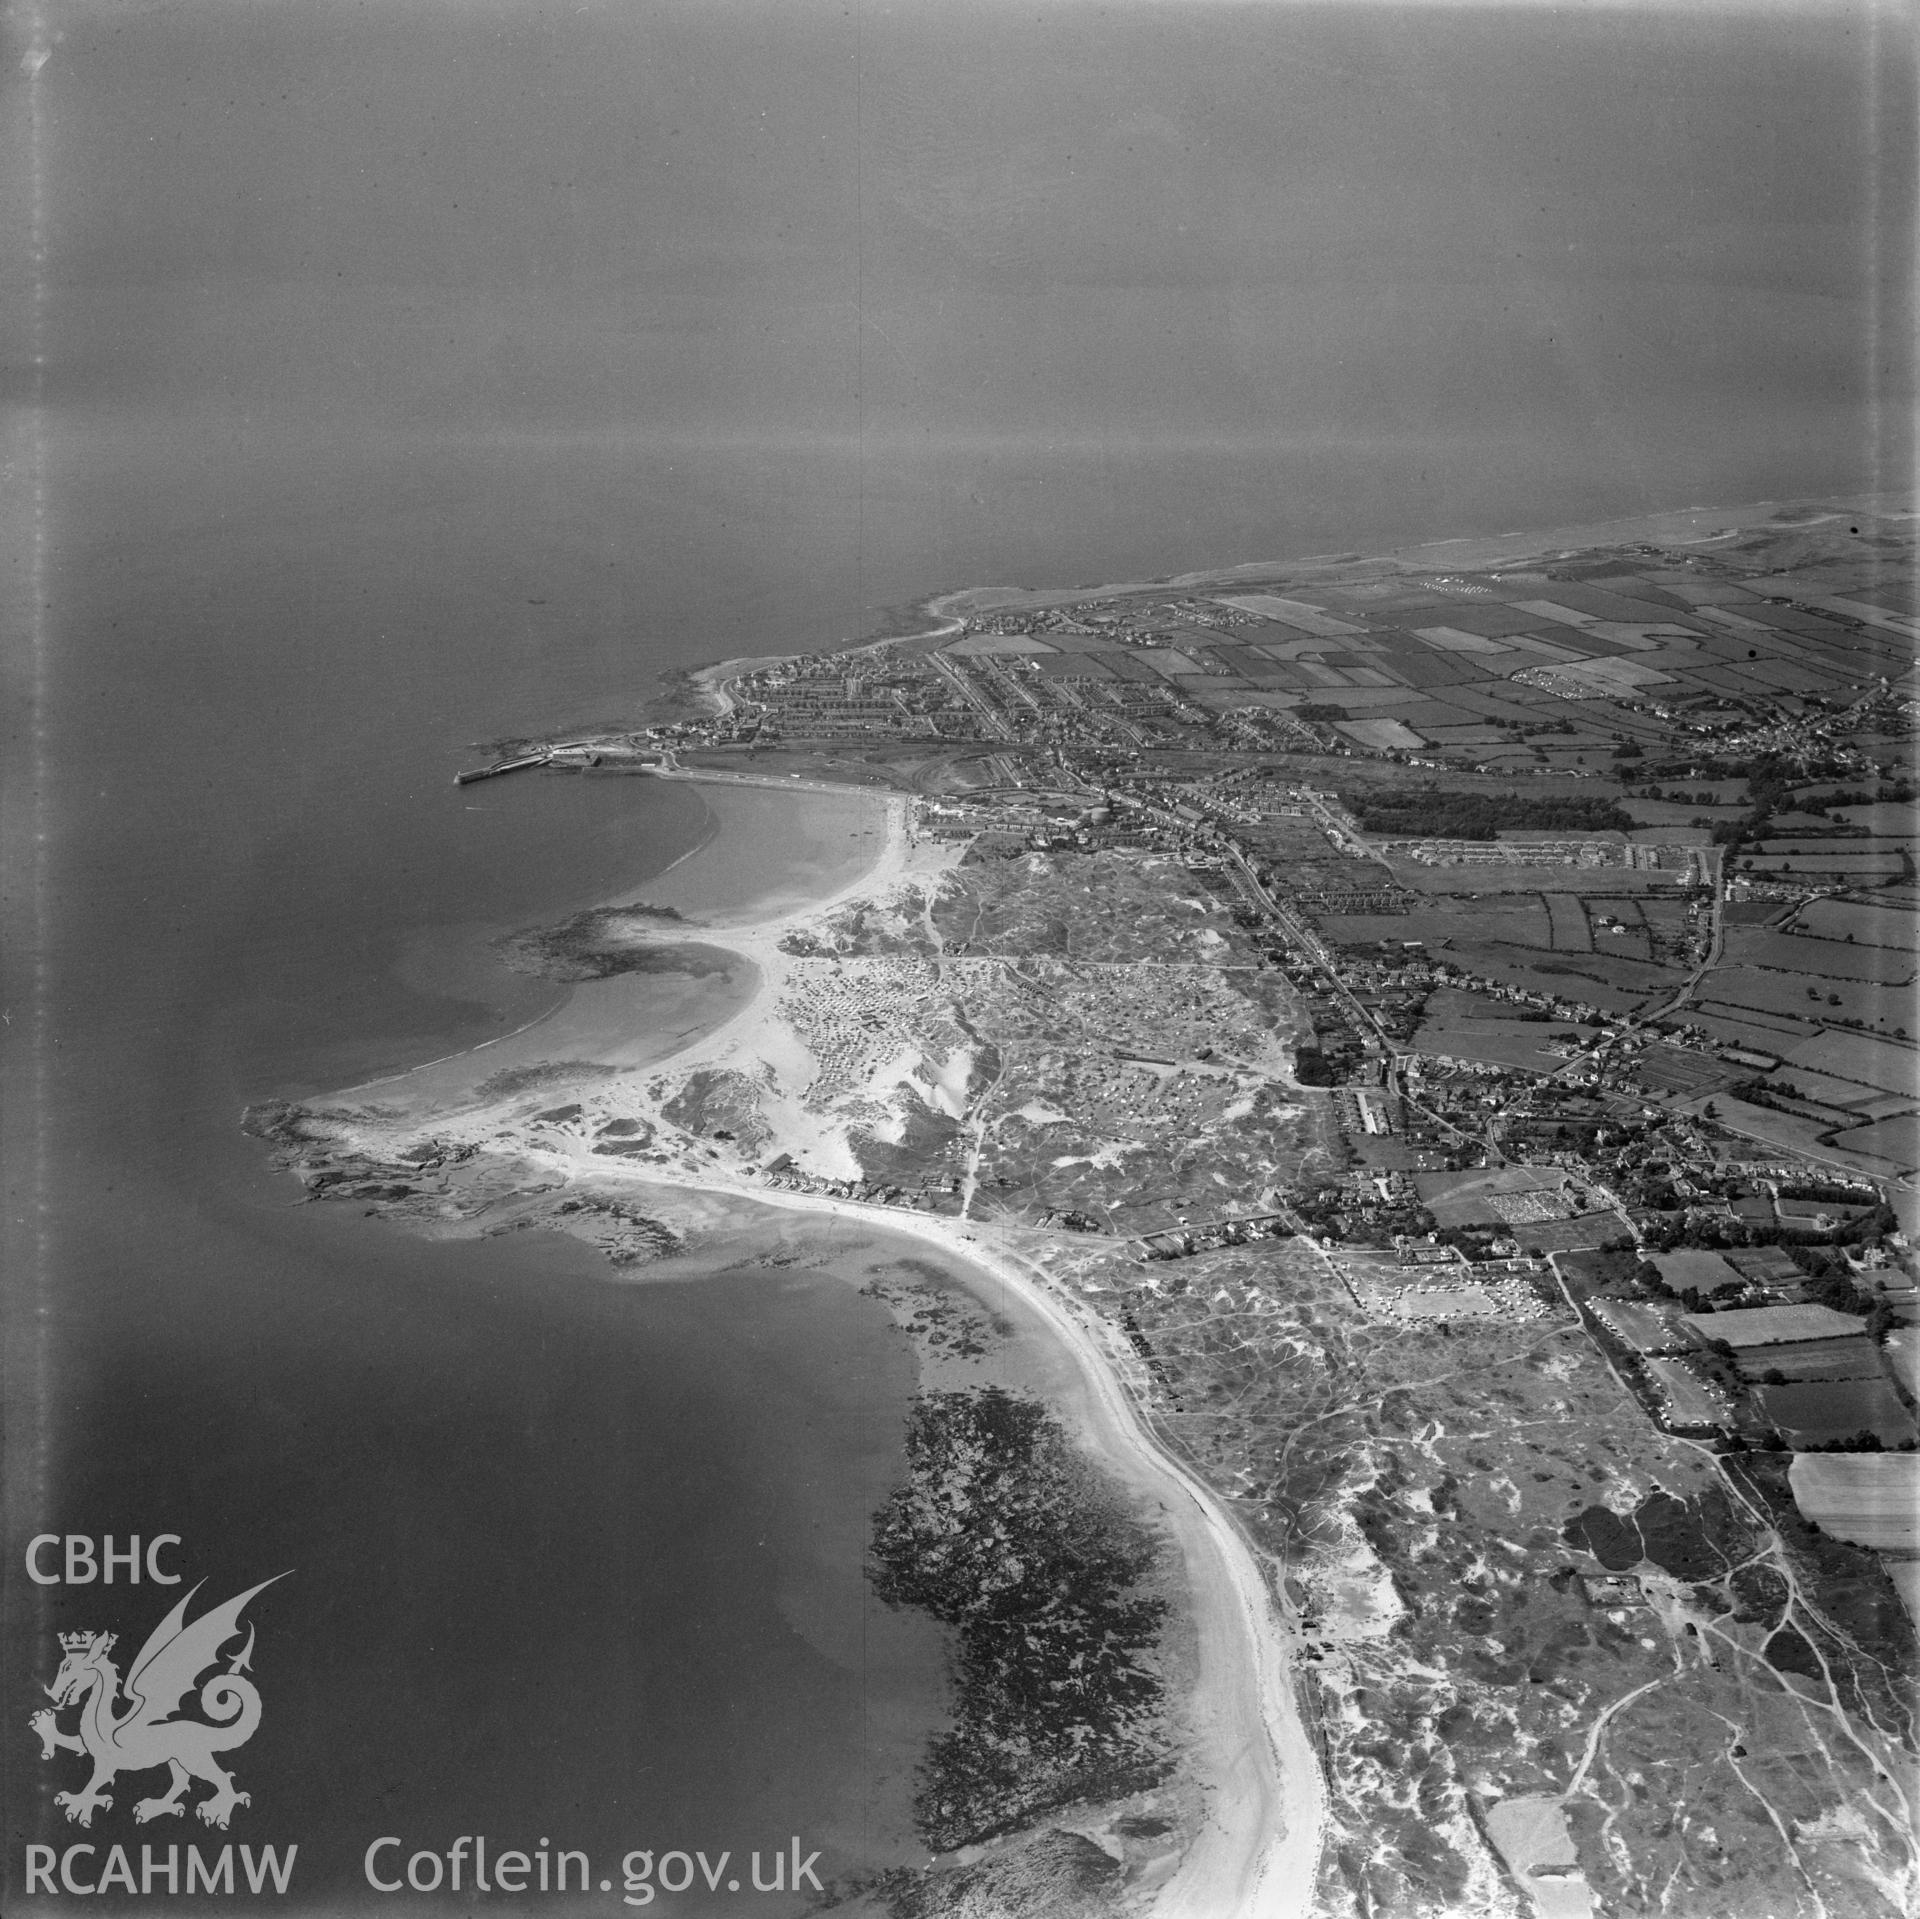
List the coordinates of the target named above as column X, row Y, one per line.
column 1433, row 812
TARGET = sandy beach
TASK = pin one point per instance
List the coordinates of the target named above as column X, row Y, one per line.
column 780, row 861
column 782, row 853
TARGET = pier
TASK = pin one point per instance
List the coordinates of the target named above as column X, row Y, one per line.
column 505, row 766
column 617, row 754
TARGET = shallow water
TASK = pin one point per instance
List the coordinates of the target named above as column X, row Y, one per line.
column 782, row 850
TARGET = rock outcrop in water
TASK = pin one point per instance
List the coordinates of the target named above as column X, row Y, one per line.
column 1004, row 1532
column 607, row 940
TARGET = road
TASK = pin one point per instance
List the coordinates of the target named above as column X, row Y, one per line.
column 1716, row 946
column 1897, row 1182
column 785, row 782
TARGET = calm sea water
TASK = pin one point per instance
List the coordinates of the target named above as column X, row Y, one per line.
column 555, row 1539
column 450, row 373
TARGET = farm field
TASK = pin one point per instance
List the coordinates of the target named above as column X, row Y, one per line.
column 1820, row 958
column 1871, row 1499
column 1382, row 732
column 1825, row 849
column 1666, row 813
column 1458, row 1004
column 1514, row 1043
column 1696, row 1269
column 1821, row 1412
column 1567, row 923
column 1853, row 1357
column 1517, row 918
column 1835, row 1092
column 1738, row 1026
column 1891, row 821
column 1871, row 923
column 1668, row 912
column 1774, row 1128
column 1893, row 1142
column 1613, row 969
column 1615, row 984
column 1852, row 1056
column 1368, row 929
column 1819, row 869
column 1797, row 996
column 1902, row 1350
column 1492, row 1195
column 1628, row 939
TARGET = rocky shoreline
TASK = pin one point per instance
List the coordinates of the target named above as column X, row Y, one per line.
column 1009, row 1536
column 442, row 1186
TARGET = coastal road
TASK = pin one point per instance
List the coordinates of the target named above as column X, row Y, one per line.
column 1716, row 945
column 785, row 783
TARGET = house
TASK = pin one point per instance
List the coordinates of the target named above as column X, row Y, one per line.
column 1611, row 1589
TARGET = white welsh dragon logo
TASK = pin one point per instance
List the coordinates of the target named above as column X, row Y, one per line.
column 146, row 1734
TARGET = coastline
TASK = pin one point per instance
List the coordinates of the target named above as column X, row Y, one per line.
column 710, row 682
column 945, row 611
column 1688, row 525
column 606, row 1110
column 1256, row 1851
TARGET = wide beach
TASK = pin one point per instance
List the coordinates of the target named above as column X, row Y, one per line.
column 762, row 852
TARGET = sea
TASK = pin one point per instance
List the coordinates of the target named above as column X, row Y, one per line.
column 420, row 381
